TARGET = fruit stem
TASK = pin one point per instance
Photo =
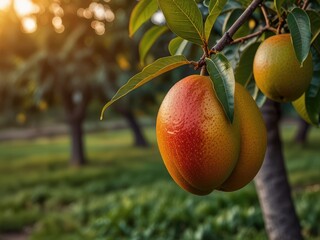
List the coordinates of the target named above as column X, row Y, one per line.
column 204, row 71
column 281, row 23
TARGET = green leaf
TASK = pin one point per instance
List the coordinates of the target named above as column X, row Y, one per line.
column 255, row 92
column 207, row 3
column 316, row 44
column 177, row 45
column 231, row 18
column 308, row 108
column 151, row 71
column 315, row 82
column 278, row 4
column 212, row 17
column 315, row 28
column 221, row 73
column 245, row 3
column 260, row 99
column 313, row 108
column 243, row 71
column 149, row 39
column 315, row 21
column 184, row 19
column 230, row 6
column 299, row 25
column 141, row 13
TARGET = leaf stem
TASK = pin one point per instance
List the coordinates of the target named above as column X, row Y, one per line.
column 204, row 71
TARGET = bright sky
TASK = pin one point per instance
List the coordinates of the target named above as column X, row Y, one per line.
column 4, row 4
column 22, row 7
column 25, row 8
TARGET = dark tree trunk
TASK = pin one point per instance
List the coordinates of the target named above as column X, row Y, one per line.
column 302, row 132
column 75, row 114
column 77, row 147
column 139, row 139
column 272, row 184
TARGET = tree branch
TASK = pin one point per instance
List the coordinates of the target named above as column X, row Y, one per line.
column 305, row 4
column 227, row 37
column 265, row 28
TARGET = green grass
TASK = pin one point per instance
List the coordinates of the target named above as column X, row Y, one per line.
column 126, row 193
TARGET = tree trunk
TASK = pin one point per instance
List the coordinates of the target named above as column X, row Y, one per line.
column 75, row 110
column 139, row 139
column 77, row 148
column 302, row 132
column 272, row 184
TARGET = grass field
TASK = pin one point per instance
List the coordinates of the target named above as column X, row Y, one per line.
column 126, row 193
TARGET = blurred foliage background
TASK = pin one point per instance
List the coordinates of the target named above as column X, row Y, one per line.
column 60, row 62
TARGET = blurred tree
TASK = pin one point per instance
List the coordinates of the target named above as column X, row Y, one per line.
column 302, row 132
column 65, row 53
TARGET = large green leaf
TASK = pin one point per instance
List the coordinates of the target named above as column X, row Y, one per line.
column 299, row 25
column 151, row 71
column 177, row 45
column 149, row 39
column 243, row 71
column 184, row 19
column 141, row 13
column 212, row 17
column 221, row 73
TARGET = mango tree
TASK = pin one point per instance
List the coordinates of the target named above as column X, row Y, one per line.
column 228, row 35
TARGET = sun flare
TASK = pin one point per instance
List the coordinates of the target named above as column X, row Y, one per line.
column 4, row 4
column 25, row 7
column 29, row 24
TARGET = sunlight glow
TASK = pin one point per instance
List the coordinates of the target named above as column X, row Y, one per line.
column 57, row 24
column 29, row 24
column 4, row 4
column 56, row 9
column 98, row 11
column 109, row 15
column 158, row 18
column 25, row 7
column 99, row 27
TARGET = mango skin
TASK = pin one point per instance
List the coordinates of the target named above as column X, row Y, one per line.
column 197, row 143
column 253, row 141
column 277, row 71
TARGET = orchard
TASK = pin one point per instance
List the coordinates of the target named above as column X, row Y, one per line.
column 210, row 132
